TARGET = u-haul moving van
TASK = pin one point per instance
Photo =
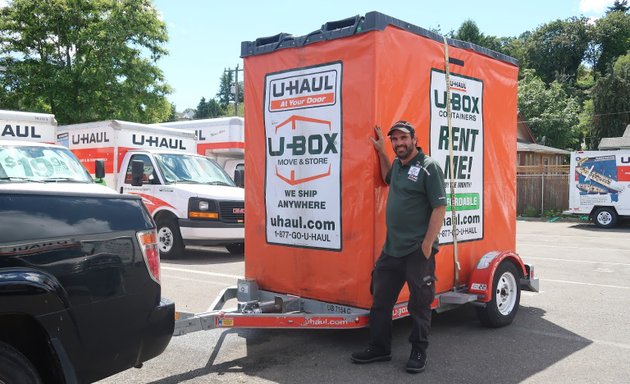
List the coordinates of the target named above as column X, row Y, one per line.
column 30, row 161
column 192, row 200
column 599, row 185
column 28, row 126
column 221, row 139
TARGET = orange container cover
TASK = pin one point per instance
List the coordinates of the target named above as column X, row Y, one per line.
column 315, row 200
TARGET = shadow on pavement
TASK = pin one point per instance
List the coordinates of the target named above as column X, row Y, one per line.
column 461, row 351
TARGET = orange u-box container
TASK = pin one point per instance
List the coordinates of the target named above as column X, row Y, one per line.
column 315, row 200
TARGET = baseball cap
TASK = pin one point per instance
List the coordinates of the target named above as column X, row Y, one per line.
column 402, row 126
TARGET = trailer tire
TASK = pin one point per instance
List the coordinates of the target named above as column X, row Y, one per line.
column 236, row 249
column 170, row 241
column 605, row 217
column 506, row 297
column 15, row 367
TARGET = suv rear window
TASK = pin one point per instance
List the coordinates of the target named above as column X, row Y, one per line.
column 32, row 216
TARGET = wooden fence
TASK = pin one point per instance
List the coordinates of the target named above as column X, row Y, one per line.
column 542, row 188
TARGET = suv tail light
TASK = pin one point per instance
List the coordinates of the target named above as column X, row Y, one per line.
column 149, row 247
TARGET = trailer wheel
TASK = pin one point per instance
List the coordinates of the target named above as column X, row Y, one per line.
column 169, row 240
column 506, row 297
column 15, row 367
column 605, row 217
column 236, row 249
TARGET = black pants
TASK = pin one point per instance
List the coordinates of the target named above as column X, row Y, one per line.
column 389, row 275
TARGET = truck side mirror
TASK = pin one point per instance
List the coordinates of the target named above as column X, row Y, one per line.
column 99, row 169
column 239, row 178
column 137, row 173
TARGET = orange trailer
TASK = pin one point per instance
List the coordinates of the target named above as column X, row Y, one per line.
column 315, row 199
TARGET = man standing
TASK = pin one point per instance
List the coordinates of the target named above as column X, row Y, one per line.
column 416, row 205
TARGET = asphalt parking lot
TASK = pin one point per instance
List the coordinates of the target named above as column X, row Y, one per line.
column 576, row 330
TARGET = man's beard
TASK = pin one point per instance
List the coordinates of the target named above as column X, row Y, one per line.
column 403, row 152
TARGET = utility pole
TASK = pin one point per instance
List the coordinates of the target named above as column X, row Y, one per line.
column 235, row 86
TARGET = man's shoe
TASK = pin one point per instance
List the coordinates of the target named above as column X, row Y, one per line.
column 417, row 361
column 370, row 356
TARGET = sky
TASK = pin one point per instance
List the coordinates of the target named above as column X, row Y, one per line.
column 205, row 36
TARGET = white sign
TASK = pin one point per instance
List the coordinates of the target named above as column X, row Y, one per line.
column 303, row 157
column 468, row 161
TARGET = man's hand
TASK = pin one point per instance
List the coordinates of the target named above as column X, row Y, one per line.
column 379, row 142
column 427, row 248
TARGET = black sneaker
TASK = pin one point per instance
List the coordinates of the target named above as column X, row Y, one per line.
column 370, row 356
column 417, row 361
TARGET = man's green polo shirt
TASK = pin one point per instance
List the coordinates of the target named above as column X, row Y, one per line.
column 414, row 190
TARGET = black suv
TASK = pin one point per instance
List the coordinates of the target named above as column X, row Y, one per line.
column 80, row 295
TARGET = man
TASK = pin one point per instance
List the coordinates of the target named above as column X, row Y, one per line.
column 416, row 205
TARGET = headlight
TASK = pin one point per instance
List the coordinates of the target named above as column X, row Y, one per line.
column 202, row 209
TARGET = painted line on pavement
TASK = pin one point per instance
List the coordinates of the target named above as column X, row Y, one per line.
column 205, row 273
column 197, row 280
column 589, row 284
column 538, row 244
column 577, row 261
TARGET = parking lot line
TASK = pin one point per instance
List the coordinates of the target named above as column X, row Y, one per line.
column 197, row 280
column 201, row 272
column 583, row 283
column 564, row 246
column 578, row 261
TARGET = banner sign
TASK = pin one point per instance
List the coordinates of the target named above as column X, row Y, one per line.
column 468, row 145
column 303, row 157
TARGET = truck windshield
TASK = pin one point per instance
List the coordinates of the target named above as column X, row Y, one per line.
column 187, row 168
column 26, row 163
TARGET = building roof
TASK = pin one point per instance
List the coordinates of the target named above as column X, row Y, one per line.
column 622, row 142
column 533, row 147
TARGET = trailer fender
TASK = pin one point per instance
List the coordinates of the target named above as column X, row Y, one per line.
column 482, row 276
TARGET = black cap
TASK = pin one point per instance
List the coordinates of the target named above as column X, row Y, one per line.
column 402, row 126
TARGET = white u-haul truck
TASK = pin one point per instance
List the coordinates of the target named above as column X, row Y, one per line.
column 221, row 139
column 192, row 200
column 29, row 160
column 599, row 186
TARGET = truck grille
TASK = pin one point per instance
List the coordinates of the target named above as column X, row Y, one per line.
column 232, row 211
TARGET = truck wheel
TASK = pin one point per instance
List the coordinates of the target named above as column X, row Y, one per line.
column 605, row 217
column 506, row 297
column 15, row 367
column 169, row 240
column 236, row 249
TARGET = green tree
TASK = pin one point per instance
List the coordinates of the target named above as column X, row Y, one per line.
column 611, row 40
column 226, row 91
column 84, row 60
column 224, row 95
column 619, row 6
column 611, row 101
column 215, row 109
column 556, row 49
column 469, row 31
column 202, row 110
column 173, row 114
column 552, row 115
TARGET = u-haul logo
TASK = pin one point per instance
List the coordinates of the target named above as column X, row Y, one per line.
column 20, row 131
column 157, row 142
column 302, row 146
column 90, row 138
column 303, row 91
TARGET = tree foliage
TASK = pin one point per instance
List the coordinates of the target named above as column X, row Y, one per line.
column 226, row 91
column 208, row 109
column 611, row 40
column 84, row 60
column 556, row 49
column 611, row 101
column 551, row 114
